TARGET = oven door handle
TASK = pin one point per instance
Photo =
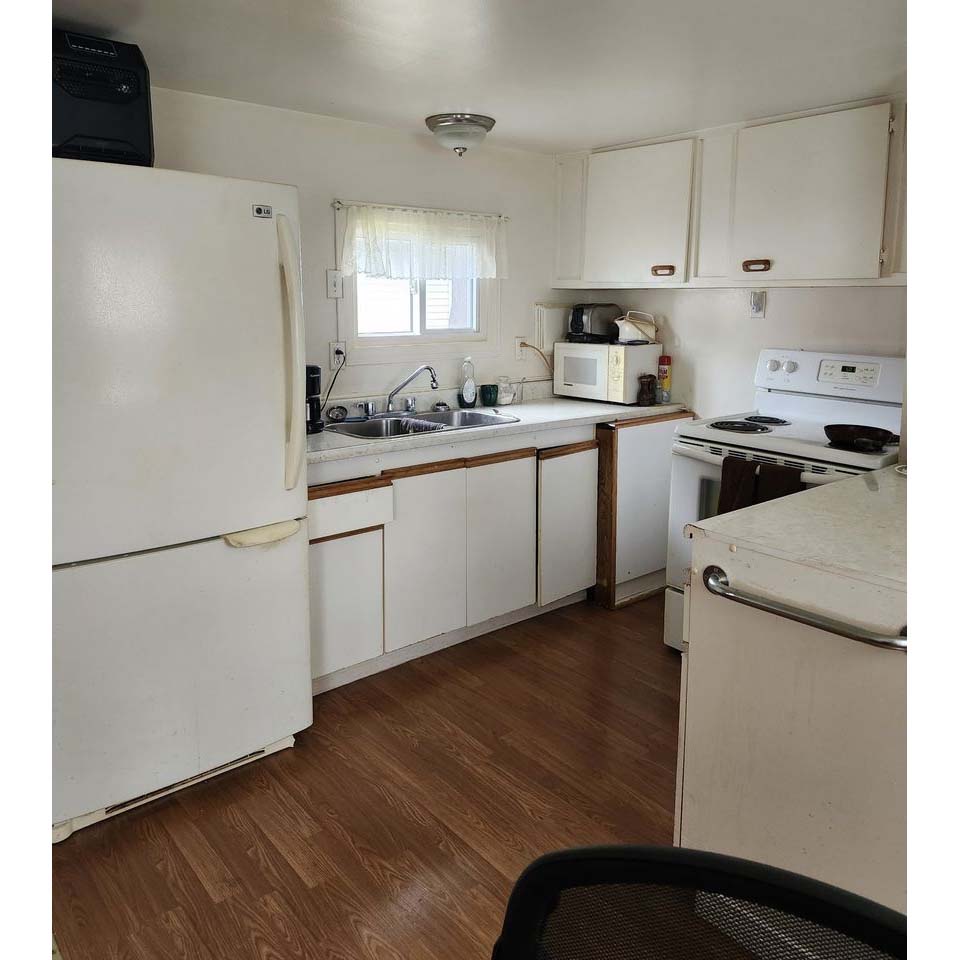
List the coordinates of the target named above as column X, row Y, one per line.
column 695, row 453
column 806, row 477
column 718, row 583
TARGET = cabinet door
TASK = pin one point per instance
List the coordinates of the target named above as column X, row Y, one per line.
column 501, row 535
column 810, row 195
column 424, row 554
column 571, row 175
column 567, row 521
column 638, row 213
column 346, row 601
column 169, row 663
column 716, row 199
column 643, row 497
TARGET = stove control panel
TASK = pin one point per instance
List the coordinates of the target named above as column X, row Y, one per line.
column 851, row 376
column 836, row 371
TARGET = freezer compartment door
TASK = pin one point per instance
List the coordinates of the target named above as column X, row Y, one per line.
column 178, row 393
column 170, row 663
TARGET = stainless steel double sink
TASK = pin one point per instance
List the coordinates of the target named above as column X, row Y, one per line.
column 397, row 424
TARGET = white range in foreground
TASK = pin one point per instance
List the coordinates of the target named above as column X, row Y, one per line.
column 794, row 691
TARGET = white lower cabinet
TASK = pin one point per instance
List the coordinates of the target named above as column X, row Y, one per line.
column 432, row 548
column 644, row 450
column 567, row 521
column 346, row 601
column 501, row 534
column 425, row 555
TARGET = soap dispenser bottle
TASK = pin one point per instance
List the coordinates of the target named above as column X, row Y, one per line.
column 467, row 395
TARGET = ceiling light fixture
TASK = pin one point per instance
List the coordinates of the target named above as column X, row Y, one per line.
column 458, row 131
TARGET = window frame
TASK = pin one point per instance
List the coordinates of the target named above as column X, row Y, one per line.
column 393, row 348
column 419, row 319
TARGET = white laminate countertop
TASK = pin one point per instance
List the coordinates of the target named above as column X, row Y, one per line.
column 536, row 415
column 855, row 528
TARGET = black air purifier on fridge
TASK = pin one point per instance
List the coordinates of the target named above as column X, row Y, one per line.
column 101, row 100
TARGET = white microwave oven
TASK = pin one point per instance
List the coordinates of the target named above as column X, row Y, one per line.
column 603, row 371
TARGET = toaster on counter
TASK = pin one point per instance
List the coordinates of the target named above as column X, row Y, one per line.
column 593, row 323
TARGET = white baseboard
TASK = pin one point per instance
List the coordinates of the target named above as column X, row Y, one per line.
column 394, row 658
column 63, row 829
column 641, row 587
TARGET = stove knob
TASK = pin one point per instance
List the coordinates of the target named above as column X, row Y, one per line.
column 773, row 365
column 789, row 367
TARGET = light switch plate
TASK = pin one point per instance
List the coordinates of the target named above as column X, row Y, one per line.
column 758, row 304
column 334, row 284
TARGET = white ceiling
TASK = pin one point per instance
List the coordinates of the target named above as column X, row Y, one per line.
column 556, row 74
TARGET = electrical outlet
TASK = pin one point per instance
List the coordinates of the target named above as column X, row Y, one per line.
column 334, row 284
column 520, row 351
column 758, row 304
column 338, row 354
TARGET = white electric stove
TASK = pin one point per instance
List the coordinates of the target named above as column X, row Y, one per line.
column 798, row 392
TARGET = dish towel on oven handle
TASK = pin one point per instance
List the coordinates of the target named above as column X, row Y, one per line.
column 745, row 482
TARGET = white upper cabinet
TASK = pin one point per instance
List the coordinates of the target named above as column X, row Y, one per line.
column 637, row 214
column 716, row 198
column 810, row 200
column 571, row 175
column 809, row 196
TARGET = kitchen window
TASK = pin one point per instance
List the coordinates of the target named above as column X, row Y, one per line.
column 398, row 308
column 415, row 277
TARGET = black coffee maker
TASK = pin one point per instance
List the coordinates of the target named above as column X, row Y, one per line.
column 314, row 404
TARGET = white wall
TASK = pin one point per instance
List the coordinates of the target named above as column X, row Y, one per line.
column 708, row 332
column 328, row 159
column 714, row 343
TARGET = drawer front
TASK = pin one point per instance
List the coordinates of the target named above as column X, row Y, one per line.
column 353, row 505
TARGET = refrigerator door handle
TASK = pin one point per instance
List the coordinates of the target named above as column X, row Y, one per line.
column 296, row 437
column 259, row 536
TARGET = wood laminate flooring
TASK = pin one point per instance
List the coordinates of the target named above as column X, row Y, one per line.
column 397, row 825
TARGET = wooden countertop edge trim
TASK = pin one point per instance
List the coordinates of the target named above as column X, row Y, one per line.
column 506, row 455
column 605, row 590
column 338, row 487
column 661, row 418
column 348, row 533
column 567, row 449
column 419, row 469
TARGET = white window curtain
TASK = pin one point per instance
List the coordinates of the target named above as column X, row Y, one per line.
column 413, row 243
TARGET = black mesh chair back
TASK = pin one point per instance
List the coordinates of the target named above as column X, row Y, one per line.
column 667, row 903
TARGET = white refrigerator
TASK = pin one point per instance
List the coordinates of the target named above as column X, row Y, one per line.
column 180, row 591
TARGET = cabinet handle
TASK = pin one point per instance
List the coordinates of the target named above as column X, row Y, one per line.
column 717, row 582
column 663, row 269
column 756, row 266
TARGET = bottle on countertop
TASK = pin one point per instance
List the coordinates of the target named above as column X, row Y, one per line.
column 467, row 394
column 664, row 378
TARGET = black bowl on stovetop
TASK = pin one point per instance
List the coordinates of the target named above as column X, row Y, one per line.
column 852, row 436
